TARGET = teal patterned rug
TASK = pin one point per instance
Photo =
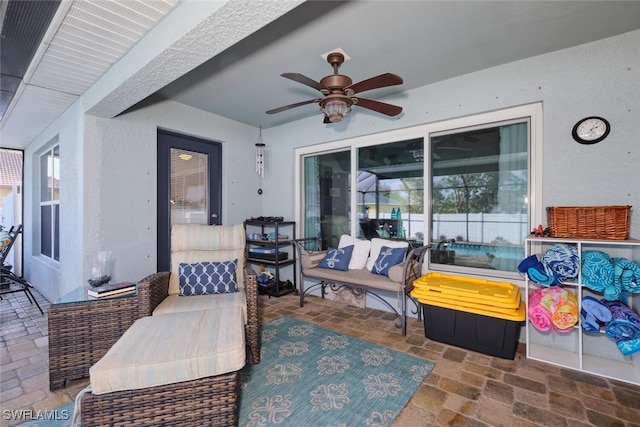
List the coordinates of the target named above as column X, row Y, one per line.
column 311, row 376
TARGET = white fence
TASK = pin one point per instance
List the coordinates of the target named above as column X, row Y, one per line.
column 481, row 228
column 476, row 227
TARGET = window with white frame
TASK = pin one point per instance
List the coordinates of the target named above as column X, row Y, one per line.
column 479, row 194
column 470, row 182
column 50, row 203
column 484, row 190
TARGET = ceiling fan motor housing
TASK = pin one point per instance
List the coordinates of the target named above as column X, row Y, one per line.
column 336, row 82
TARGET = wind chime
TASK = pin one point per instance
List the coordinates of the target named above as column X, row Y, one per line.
column 260, row 159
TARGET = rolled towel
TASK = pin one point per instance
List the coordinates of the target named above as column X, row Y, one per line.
column 593, row 313
column 537, row 272
column 626, row 274
column 539, row 316
column 597, row 270
column 613, row 292
column 565, row 314
column 563, row 260
column 624, row 328
column 553, row 308
column 552, row 298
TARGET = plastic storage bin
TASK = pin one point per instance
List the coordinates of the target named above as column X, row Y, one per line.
column 476, row 314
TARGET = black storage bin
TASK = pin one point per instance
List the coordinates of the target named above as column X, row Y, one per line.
column 484, row 334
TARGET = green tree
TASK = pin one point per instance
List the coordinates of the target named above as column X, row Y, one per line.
column 475, row 192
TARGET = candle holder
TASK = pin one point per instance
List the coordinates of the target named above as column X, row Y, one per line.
column 100, row 266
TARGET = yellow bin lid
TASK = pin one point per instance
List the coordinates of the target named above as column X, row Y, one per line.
column 467, row 289
column 517, row 316
column 445, row 301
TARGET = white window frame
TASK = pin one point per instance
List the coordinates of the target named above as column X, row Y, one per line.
column 53, row 201
column 532, row 112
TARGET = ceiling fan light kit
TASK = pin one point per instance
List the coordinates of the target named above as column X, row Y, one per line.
column 339, row 91
column 335, row 109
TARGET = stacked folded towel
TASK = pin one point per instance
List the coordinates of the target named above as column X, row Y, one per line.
column 553, row 308
column 559, row 262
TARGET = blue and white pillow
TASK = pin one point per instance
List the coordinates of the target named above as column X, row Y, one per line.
column 205, row 278
column 387, row 258
column 337, row 259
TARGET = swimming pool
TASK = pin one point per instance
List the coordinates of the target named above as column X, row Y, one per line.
column 500, row 257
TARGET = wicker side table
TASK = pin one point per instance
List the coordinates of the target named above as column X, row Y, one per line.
column 82, row 330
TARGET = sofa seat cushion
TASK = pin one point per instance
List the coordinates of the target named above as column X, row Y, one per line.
column 354, row 277
column 172, row 348
column 181, row 304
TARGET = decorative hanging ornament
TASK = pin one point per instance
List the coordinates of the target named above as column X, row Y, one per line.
column 260, row 156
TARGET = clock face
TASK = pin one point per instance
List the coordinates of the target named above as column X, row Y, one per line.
column 591, row 130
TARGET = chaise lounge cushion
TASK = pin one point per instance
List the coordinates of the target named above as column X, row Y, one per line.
column 178, row 304
column 172, row 348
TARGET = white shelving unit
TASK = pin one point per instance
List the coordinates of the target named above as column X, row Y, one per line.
column 592, row 353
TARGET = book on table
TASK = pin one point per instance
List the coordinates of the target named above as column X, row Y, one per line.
column 111, row 289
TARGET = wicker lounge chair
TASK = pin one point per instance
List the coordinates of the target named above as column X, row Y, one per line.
column 191, row 243
column 177, row 369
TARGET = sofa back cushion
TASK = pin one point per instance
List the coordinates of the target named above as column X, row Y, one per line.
column 387, row 258
column 337, row 259
column 194, row 243
column 377, row 244
column 360, row 252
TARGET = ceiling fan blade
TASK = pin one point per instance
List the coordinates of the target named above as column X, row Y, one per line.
column 383, row 80
column 380, row 107
column 297, row 77
column 287, row 107
column 326, row 120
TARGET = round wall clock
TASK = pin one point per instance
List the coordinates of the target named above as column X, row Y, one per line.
column 591, row 130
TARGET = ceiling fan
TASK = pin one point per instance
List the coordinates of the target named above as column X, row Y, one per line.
column 339, row 91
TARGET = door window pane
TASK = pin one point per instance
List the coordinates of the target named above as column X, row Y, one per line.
column 479, row 195
column 188, row 187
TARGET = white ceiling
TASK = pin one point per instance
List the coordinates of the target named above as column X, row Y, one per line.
column 422, row 41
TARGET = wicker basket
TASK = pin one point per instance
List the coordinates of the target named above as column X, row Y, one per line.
column 589, row 222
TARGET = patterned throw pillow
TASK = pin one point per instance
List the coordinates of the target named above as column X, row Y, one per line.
column 337, row 259
column 205, row 278
column 387, row 258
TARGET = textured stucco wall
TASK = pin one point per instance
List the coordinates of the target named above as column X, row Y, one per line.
column 600, row 78
column 52, row 278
